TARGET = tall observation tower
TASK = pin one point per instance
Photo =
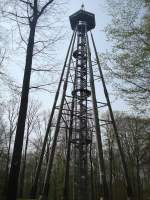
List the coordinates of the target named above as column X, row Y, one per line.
column 76, row 110
column 81, row 22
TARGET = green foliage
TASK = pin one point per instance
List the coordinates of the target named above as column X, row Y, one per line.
column 129, row 58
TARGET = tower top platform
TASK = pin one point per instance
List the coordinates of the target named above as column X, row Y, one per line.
column 83, row 16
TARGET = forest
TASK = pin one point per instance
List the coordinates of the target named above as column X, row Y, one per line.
column 38, row 151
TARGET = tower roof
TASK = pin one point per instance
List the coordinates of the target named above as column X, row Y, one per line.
column 85, row 16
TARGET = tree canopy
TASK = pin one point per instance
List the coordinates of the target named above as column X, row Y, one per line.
column 129, row 57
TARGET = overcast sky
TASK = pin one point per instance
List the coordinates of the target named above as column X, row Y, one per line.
column 99, row 8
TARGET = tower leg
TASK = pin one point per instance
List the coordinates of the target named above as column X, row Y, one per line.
column 46, row 186
column 128, row 181
column 97, row 127
column 66, row 179
column 38, row 169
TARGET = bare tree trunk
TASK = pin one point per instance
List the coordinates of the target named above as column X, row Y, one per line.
column 93, row 195
column 98, row 188
column 22, row 177
column 110, row 171
column 7, row 165
column 139, row 191
column 18, row 145
column 8, row 156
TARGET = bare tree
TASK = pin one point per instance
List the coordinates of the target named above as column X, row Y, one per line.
column 30, row 14
column 32, row 120
column 133, row 133
column 11, row 108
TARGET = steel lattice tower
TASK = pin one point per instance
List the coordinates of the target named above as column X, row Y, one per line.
column 77, row 113
column 80, row 134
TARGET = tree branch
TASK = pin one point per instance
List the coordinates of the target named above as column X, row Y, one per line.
column 44, row 7
column 38, row 86
column 28, row 3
